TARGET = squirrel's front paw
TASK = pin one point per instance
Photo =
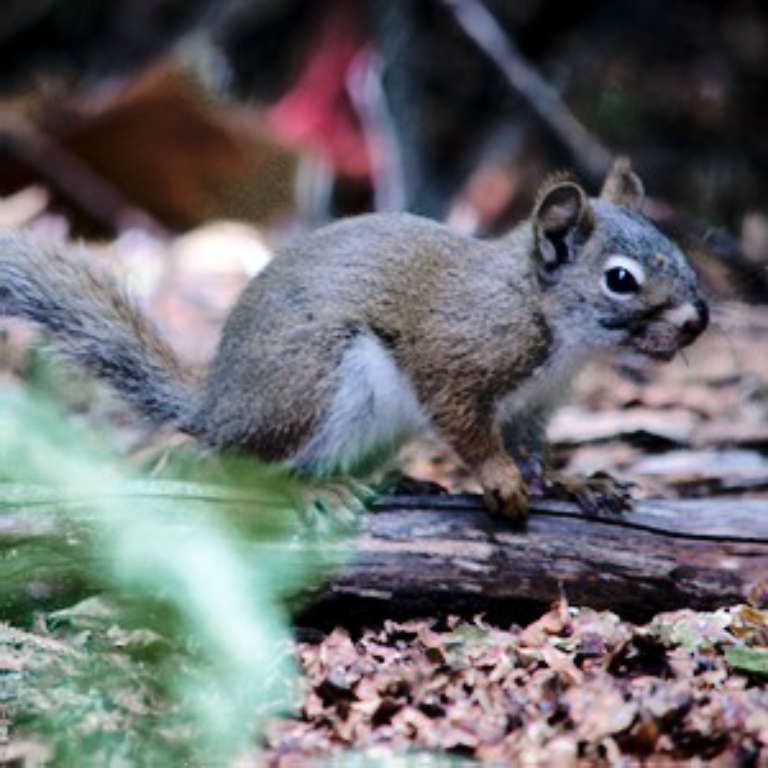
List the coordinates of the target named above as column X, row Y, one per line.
column 598, row 495
column 504, row 490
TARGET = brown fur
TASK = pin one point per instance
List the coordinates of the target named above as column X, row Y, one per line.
column 404, row 278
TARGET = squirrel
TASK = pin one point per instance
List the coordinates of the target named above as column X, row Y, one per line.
column 373, row 328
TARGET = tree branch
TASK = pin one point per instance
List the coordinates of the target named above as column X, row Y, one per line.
column 480, row 25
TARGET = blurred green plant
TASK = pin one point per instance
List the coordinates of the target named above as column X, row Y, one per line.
column 179, row 647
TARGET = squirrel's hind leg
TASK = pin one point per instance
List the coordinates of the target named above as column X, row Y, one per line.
column 372, row 411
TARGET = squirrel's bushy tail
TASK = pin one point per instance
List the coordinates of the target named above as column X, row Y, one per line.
column 95, row 323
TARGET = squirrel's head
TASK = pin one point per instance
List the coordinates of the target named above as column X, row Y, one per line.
column 606, row 272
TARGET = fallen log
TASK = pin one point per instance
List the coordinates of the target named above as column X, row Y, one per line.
column 430, row 555
column 438, row 554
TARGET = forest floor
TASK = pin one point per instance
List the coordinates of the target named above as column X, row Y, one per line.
column 577, row 686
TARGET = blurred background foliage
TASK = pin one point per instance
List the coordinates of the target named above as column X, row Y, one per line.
column 186, row 111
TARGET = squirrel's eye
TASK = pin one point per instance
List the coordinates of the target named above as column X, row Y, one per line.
column 622, row 278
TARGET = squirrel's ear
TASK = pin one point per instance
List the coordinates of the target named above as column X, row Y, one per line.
column 622, row 186
column 562, row 220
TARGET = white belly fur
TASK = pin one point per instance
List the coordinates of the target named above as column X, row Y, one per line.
column 373, row 411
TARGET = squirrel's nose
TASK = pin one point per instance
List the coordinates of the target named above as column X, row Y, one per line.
column 693, row 326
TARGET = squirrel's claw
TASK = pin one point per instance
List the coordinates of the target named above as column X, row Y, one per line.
column 599, row 495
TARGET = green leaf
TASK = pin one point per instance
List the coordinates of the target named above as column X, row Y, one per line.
column 751, row 660
column 185, row 651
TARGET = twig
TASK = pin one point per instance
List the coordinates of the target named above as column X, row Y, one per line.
column 480, row 25
column 70, row 175
column 366, row 91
